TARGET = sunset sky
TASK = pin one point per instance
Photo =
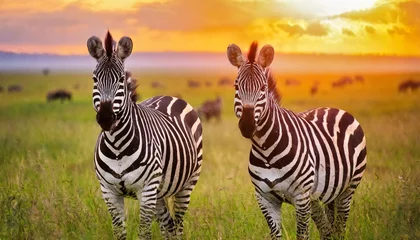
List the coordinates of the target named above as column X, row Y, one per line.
column 302, row 26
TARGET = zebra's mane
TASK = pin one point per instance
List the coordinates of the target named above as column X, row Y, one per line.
column 252, row 52
column 132, row 86
column 109, row 44
column 272, row 87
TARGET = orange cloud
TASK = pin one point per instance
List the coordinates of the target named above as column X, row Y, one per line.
column 370, row 29
column 348, row 32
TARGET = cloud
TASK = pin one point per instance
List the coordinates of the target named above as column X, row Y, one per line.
column 395, row 30
column 69, row 25
column 348, row 32
column 316, row 29
column 291, row 29
column 193, row 15
column 313, row 29
column 369, row 29
column 75, row 22
column 389, row 12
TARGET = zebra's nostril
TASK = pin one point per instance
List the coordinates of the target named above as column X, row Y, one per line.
column 105, row 116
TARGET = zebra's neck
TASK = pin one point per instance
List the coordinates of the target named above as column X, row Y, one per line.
column 124, row 126
column 273, row 129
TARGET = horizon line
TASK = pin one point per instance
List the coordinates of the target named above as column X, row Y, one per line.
column 220, row 52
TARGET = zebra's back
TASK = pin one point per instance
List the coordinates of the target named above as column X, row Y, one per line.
column 181, row 143
column 338, row 150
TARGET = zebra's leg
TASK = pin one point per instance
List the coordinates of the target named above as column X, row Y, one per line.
column 167, row 227
column 271, row 208
column 330, row 211
column 303, row 214
column 320, row 219
column 343, row 203
column 147, row 198
column 115, row 205
column 181, row 202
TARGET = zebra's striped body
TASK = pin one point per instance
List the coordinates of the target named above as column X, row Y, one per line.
column 303, row 159
column 149, row 151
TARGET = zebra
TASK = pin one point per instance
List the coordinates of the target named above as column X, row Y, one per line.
column 148, row 151
column 313, row 160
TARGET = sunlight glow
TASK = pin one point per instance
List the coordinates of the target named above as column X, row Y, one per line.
column 333, row 7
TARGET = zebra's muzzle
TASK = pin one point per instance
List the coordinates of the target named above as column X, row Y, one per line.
column 247, row 122
column 106, row 118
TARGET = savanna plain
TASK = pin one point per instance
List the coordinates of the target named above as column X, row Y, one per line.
column 49, row 190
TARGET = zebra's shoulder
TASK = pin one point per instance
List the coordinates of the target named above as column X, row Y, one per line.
column 168, row 105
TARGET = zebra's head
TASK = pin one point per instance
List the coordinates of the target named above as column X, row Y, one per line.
column 251, row 84
column 110, row 92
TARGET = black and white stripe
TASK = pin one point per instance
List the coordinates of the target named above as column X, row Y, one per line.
column 304, row 159
column 149, row 151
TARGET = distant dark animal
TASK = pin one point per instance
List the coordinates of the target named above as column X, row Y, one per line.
column 314, row 88
column 1, row 89
column 359, row 78
column 193, row 84
column 59, row 94
column 211, row 109
column 14, row 88
column 292, row 82
column 45, row 71
column 343, row 81
column 76, row 86
column 409, row 84
column 156, row 84
column 225, row 81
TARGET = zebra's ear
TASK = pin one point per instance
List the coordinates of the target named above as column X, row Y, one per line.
column 235, row 56
column 125, row 46
column 95, row 48
column 266, row 56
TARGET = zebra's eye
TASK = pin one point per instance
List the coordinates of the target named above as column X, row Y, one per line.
column 95, row 80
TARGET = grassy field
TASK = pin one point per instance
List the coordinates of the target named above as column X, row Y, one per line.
column 49, row 189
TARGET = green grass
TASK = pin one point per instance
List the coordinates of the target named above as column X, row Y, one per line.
column 49, row 189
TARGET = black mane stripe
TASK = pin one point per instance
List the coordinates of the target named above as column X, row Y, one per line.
column 252, row 52
column 272, row 87
column 109, row 44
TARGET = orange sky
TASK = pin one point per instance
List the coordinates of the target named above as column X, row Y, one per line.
column 321, row 26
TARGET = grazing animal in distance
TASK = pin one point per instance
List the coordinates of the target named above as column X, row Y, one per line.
column 14, row 88
column 305, row 159
column 211, row 109
column 156, row 84
column 193, row 83
column 341, row 82
column 359, row 78
column 314, row 88
column 149, row 151
column 59, row 94
column 409, row 84
column 225, row 81
column 292, row 82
